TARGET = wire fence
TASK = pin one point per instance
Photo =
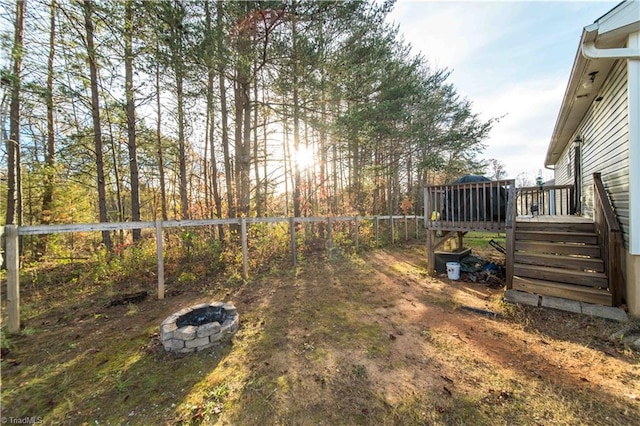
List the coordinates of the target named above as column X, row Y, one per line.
column 329, row 234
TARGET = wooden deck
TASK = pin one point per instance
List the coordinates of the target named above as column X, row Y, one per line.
column 560, row 255
column 552, row 219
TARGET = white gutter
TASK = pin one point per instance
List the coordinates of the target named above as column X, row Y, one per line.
column 590, row 51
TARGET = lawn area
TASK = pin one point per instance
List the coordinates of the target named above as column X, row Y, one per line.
column 367, row 339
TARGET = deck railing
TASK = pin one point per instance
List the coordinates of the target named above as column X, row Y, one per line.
column 554, row 200
column 474, row 206
column 609, row 238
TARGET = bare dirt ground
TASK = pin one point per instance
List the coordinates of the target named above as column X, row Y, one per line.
column 368, row 339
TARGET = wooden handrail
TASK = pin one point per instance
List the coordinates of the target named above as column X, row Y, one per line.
column 554, row 200
column 607, row 210
column 480, row 206
column 609, row 239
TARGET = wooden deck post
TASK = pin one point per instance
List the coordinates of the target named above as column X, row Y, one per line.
column 431, row 254
column 510, row 235
column 13, row 279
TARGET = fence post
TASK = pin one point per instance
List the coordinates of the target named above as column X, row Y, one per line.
column 377, row 227
column 357, row 232
column 417, row 229
column 13, row 279
column 292, row 232
column 393, row 232
column 243, row 237
column 329, row 237
column 406, row 229
column 160, row 255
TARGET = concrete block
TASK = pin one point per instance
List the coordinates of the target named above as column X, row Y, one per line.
column 607, row 312
column 515, row 296
column 166, row 331
column 208, row 329
column 174, row 344
column 201, row 341
column 186, row 333
column 561, row 304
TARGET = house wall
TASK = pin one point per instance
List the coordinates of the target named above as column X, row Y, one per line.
column 605, row 145
column 605, row 148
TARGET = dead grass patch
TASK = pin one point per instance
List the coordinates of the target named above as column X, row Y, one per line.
column 365, row 339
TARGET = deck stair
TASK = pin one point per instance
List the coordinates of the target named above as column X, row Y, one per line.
column 560, row 258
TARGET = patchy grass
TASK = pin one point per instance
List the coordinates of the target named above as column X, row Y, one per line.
column 365, row 339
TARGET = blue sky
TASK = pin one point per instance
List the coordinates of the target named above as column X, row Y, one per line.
column 510, row 59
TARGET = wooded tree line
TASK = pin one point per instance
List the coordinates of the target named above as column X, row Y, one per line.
column 117, row 110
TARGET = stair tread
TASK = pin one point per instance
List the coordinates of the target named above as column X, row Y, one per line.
column 542, row 256
column 563, row 290
column 528, row 231
column 560, row 243
column 569, row 276
column 574, row 263
column 562, row 271
column 565, row 286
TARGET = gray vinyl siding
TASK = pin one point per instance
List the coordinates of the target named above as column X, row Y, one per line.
column 605, row 148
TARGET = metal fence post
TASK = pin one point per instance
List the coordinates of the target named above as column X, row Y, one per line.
column 13, row 278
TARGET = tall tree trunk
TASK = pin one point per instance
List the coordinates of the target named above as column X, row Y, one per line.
column 256, row 162
column 161, row 171
column 210, row 119
column 115, row 155
column 13, row 143
column 95, row 113
column 246, row 150
column 224, row 113
column 131, row 116
column 182, row 155
column 50, row 152
column 47, row 196
column 296, row 116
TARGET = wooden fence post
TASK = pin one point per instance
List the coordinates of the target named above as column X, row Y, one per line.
column 243, row 237
column 406, row 229
column 357, row 232
column 377, row 229
column 13, row 279
column 292, row 232
column 329, row 238
column 160, row 255
column 417, row 229
column 393, row 232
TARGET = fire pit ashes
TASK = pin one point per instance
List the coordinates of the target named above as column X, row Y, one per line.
column 199, row 327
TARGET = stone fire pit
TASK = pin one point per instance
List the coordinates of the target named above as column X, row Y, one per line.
column 199, row 327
